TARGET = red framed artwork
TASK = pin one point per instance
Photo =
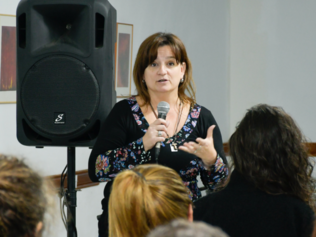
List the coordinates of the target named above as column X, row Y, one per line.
column 7, row 59
column 123, row 59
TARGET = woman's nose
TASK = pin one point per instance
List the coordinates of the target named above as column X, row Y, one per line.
column 162, row 69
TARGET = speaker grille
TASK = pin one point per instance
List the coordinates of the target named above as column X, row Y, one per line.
column 58, row 85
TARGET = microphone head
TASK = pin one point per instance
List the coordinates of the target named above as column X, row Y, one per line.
column 163, row 107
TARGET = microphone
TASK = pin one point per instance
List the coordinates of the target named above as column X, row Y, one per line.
column 163, row 108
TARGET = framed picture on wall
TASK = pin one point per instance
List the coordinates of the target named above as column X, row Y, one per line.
column 7, row 59
column 123, row 59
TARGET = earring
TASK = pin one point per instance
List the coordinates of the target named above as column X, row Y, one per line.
column 143, row 81
column 182, row 80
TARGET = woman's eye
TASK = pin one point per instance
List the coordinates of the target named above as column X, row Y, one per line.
column 171, row 64
column 153, row 64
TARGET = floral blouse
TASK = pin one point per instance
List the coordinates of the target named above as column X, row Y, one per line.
column 110, row 162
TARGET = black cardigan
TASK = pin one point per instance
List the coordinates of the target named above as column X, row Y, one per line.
column 243, row 210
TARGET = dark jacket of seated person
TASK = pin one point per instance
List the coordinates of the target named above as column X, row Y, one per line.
column 271, row 190
column 241, row 209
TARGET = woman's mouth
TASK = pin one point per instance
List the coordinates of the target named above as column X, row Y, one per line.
column 162, row 80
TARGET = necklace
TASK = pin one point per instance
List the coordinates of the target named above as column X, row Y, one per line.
column 173, row 145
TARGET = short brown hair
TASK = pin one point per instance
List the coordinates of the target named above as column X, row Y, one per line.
column 147, row 54
column 145, row 197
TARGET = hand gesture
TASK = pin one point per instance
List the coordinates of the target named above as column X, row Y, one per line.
column 156, row 132
column 203, row 148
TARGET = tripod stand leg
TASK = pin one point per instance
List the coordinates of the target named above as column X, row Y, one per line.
column 71, row 192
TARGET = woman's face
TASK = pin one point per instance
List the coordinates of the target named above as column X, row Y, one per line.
column 164, row 74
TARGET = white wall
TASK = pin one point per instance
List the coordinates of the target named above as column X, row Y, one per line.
column 204, row 29
column 273, row 59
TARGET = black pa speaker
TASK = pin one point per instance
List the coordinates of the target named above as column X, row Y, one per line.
column 65, row 70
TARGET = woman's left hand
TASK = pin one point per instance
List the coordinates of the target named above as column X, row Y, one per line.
column 203, row 148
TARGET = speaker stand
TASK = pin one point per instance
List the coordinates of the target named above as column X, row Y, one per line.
column 71, row 192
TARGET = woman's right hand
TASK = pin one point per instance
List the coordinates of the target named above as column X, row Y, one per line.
column 151, row 137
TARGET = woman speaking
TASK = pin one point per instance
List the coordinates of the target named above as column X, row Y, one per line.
column 190, row 139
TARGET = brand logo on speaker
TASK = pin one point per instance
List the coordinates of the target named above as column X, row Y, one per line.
column 59, row 118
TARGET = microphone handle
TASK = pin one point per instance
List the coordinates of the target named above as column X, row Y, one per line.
column 158, row 144
column 162, row 115
column 157, row 151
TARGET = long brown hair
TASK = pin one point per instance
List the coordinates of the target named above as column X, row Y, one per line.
column 145, row 197
column 147, row 54
column 25, row 197
column 268, row 149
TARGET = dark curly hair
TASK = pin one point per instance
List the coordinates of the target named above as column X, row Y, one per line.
column 269, row 150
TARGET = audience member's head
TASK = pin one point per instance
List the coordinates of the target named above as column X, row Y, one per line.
column 25, row 198
column 145, row 197
column 184, row 228
column 268, row 149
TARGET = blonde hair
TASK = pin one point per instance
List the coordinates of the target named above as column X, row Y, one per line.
column 145, row 197
column 26, row 198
